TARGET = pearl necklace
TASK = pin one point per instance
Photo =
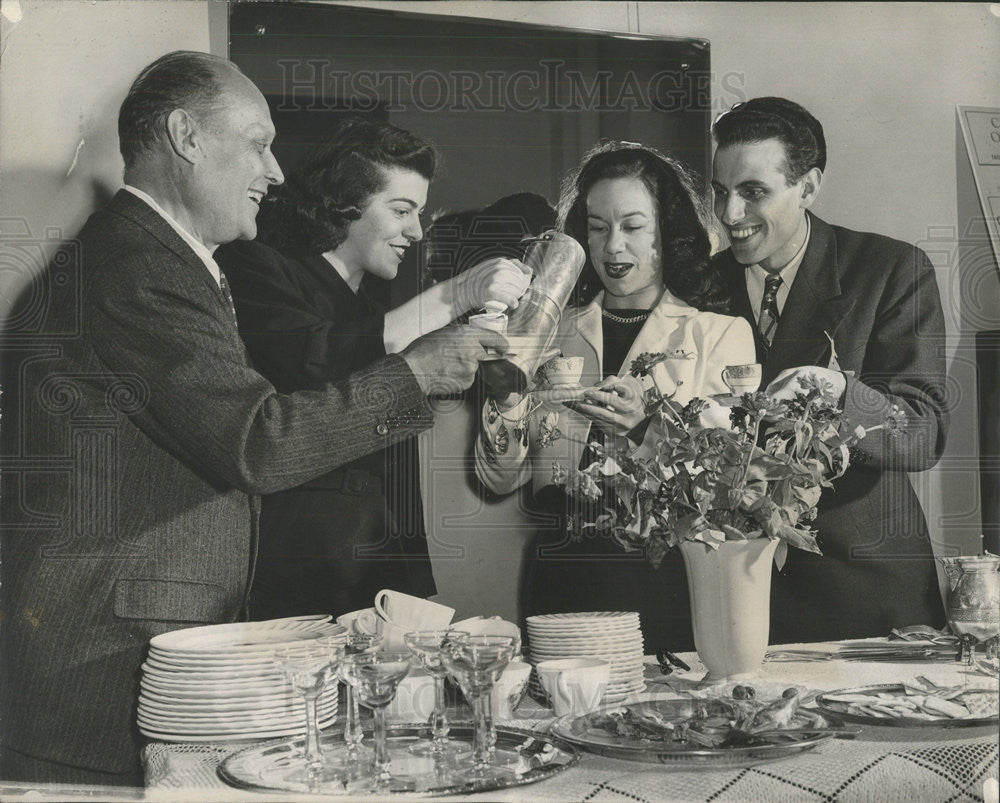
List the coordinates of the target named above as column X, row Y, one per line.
column 622, row 319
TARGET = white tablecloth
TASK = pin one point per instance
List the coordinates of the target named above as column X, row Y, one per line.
column 883, row 764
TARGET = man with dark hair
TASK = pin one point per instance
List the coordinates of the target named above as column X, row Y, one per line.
column 143, row 436
column 861, row 313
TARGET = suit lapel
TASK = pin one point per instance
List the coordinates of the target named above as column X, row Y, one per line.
column 814, row 307
column 586, row 322
column 734, row 275
column 142, row 214
column 656, row 332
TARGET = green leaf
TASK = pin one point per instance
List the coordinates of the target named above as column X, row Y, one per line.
column 656, row 551
column 803, row 434
column 752, row 493
column 810, row 495
column 732, row 534
column 801, row 538
column 733, row 498
column 780, row 554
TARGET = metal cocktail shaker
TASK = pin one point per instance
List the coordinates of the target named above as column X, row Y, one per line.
column 556, row 260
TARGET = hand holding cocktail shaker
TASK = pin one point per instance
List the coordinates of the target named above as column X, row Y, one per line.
column 556, row 260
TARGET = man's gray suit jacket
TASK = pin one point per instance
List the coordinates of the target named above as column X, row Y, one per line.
column 136, row 437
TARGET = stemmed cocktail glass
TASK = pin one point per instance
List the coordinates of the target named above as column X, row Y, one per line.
column 356, row 644
column 309, row 666
column 426, row 646
column 375, row 676
column 476, row 662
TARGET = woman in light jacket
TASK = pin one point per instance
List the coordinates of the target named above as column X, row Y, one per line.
column 647, row 286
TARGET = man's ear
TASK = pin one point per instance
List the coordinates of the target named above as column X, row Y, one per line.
column 184, row 136
column 810, row 187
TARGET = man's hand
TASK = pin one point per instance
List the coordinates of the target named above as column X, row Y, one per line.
column 500, row 280
column 615, row 405
column 445, row 361
column 786, row 384
column 715, row 416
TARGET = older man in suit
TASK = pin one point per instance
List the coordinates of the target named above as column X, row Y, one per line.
column 862, row 312
column 137, row 436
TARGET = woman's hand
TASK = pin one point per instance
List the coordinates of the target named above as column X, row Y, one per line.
column 616, row 405
column 499, row 279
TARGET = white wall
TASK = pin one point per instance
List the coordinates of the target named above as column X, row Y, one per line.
column 883, row 79
column 66, row 67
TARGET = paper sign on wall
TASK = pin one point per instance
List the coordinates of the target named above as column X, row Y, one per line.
column 981, row 129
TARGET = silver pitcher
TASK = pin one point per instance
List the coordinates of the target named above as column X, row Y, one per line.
column 974, row 599
column 556, row 260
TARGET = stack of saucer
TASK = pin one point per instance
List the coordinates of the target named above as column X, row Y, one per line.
column 220, row 682
column 613, row 636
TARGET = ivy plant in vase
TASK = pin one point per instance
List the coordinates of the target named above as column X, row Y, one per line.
column 732, row 497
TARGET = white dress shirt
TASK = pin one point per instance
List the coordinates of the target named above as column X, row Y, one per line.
column 197, row 246
column 755, row 276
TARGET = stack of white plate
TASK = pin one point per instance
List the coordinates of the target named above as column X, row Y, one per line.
column 220, row 682
column 613, row 636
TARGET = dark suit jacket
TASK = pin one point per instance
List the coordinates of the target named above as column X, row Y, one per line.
column 135, row 440
column 333, row 543
column 878, row 299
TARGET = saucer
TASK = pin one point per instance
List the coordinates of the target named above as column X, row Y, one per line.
column 560, row 393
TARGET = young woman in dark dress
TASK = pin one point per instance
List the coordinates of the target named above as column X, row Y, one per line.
column 307, row 315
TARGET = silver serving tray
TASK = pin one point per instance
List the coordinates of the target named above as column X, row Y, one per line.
column 537, row 756
column 840, row 710
column 579, row 731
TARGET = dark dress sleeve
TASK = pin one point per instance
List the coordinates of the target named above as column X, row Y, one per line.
column 301, row 323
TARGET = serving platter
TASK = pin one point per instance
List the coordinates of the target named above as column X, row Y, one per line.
column 888, row 694
column 238, row 734
column 582, row 732
column 531, row 757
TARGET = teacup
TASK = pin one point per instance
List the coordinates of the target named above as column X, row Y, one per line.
column 367, row 622
column 364, row 622
column 412, row 613
column 574, row 685
column 394, row 636
column 743, row 378
column 563, row 370
column 509, row 689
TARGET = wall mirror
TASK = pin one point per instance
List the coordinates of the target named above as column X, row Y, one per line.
column 511, row 107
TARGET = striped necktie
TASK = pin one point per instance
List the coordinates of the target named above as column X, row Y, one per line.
column 229, row 296
column 768, row 320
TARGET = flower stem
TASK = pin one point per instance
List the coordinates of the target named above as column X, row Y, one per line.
column 749, row 456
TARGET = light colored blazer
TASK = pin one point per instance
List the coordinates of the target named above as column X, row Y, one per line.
column 698, row 345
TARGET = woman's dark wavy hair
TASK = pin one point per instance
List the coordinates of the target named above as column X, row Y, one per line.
column 684, row 218
column 311, row 212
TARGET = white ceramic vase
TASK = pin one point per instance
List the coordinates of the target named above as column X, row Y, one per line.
column 730, row 590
